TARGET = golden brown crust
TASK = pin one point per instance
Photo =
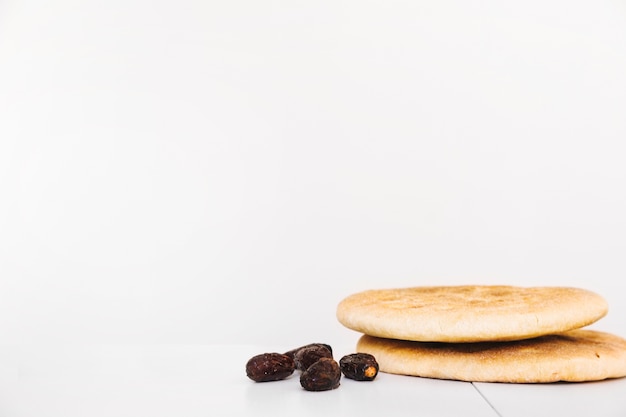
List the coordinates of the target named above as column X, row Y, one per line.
column 574, row 356
column 470, row 313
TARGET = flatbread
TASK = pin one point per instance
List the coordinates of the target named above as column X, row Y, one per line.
column 574, row 356
column 470, row 313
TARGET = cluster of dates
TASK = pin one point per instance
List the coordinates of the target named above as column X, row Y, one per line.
column 320, row 372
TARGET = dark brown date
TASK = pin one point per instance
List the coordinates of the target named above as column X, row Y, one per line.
column 292, row 352
column 323, row 375
column 308, row 355
column 359, row 366
column 269, row 367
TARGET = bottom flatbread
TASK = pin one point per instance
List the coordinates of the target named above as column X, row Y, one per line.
column 574, row 356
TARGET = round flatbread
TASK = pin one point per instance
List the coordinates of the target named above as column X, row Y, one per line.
column 574, row 356
column 470, row 313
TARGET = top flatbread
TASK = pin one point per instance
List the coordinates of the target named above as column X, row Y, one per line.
column 470, row 313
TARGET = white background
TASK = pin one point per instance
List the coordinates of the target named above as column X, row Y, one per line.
column 204, row 172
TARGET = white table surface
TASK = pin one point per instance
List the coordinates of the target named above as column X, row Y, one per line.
column 201, row 380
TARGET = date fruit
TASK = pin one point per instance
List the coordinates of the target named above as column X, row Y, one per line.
column 292, row 352
column 308, row 355
column 359, row 366
column 269, row 367
column 323, row 375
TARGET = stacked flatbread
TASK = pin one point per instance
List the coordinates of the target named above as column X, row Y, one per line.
column 486, row 333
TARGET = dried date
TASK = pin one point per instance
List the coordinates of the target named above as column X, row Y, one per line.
column 269, row 367
column 308, row 355
column 323, row 375
column 359, row 366
column 292, row 352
